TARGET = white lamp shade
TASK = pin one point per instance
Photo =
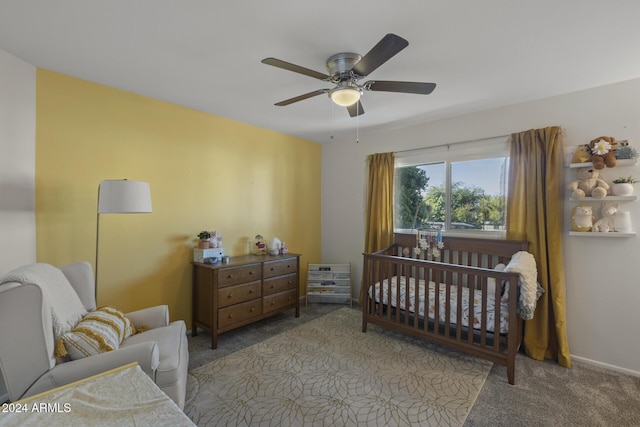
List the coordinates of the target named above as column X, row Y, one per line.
column 122, row 196
column 345, row 96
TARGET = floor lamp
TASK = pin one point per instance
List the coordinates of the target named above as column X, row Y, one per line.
column 120, row 196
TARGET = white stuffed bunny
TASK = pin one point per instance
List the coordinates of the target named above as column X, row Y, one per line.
column 606, row 223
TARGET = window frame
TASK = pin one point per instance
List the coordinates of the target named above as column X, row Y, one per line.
column 448, row 154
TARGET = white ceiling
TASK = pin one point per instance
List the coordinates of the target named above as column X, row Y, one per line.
column 206, row 54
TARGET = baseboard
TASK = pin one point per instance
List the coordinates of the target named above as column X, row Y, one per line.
column 606, row 366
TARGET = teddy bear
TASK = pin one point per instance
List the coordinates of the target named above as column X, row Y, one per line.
column 582, row 218
column 588, row 184
column 606, row 223
column 603, row 152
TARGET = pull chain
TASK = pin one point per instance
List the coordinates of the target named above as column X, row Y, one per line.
column 331, row 136
column 357, row 122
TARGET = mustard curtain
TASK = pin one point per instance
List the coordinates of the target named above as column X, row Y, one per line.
column 379, row 204
column 534, row 213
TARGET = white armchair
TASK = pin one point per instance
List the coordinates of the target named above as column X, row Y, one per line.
column 27, row 359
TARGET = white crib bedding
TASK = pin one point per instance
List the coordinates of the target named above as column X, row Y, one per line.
column 442, row 291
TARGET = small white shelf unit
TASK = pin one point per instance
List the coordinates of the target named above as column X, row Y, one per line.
column 329, row 283
column 620, row 162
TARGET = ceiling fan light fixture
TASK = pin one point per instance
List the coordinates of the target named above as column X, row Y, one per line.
column 345, row 95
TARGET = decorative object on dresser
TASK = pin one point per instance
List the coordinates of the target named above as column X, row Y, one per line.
column 204, row 237
column 260, row 245
column 246, row 289
column 208, row 256
column 209, row 250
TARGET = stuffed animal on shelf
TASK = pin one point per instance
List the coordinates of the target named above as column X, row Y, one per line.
column 606, row 223
column 603, row 152
column 582, row 218
column 588, row 184
column 625, row 151
column 582, row 154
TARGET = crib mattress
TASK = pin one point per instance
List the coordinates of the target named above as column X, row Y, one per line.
column 374, row 292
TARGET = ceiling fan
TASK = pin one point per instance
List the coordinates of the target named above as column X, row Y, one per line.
column 346, row 68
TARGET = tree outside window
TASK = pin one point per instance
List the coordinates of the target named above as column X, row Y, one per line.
column 472, row 206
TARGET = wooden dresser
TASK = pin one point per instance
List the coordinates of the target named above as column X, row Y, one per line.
column 245, row 290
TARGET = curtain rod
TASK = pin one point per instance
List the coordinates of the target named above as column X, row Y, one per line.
column 453, row 143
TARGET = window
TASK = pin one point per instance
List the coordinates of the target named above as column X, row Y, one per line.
column 457, row 188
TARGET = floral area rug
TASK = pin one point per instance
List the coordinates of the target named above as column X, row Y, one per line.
column 327, row 372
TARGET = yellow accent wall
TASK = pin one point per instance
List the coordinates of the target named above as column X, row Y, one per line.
column 206, row 173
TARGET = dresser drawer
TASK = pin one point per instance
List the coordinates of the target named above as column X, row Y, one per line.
column 278, row 268
column 237, row 313
column 279, row 284
column 277, row 301
column 233, row 275
column 230, row 295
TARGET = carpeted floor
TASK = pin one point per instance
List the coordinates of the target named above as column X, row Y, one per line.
column 325, row 372
column 544, row 395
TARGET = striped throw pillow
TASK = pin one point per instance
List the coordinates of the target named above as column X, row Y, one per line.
column 99, row 331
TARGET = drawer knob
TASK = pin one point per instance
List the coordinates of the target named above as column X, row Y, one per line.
column 251, row 273
column 273, row 303
column 230, row 276
column 273, row 269
column 230, row 316
column 230, row 296
column 252, row 309
column 272, row 286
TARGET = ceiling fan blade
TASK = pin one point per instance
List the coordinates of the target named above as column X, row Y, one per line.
column 355, row 109
column 404, row 87
column 301, row 97
column 295, row 68
column 386, row 48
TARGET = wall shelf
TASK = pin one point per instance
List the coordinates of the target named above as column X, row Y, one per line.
column 596, row 234
column 606, row 199
column 619, row 162
column 613, row 234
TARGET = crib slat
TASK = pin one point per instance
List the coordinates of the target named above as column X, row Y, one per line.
column 483, row 318
column 472, row 309
column 447, row 310
column 496, row 312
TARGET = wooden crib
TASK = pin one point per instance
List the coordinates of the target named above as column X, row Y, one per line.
column 401, row 286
